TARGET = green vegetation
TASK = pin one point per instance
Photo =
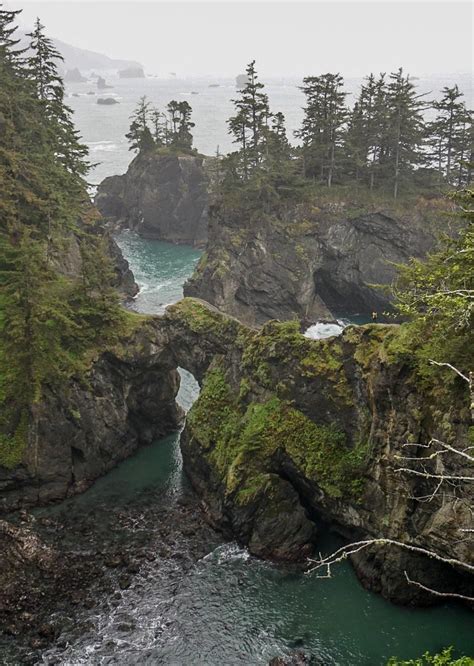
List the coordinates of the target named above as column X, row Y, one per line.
column 200, row 318
column 443, row 658
column 151, row 129
column 240, row 439
column 49, row 323
column 383, row 144
column 436, row 295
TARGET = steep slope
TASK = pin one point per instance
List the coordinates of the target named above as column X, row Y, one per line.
column 161, row 196
column 308, row 260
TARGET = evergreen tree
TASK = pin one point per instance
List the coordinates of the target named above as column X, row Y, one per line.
column 139, row 134
column 179, row 135
column 322, row 128
column 42, row 66
column 250, row 124
column 278, row 155
column 42, row 69
column 449, row 136
column 159, row 125
column 405, row 130
column 364, row 140
column 10, row 55
column 43, row 205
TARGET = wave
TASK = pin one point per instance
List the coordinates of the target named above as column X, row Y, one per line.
column 324, row 329
column 228, row 552
column 102, row 146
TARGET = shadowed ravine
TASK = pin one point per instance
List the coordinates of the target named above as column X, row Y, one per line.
column 189, row 598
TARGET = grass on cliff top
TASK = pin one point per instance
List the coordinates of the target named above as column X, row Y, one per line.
column 201, row 317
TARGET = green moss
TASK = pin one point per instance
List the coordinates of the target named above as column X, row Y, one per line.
column 13, row 446
column 200, row 318
column 240, row 441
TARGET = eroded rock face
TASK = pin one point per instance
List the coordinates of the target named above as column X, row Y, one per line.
column 288, row 431
column 84, row 429
column 69, row 263
column 305, row 261
column 161, row 196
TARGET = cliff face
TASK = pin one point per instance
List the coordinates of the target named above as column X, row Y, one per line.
column 161, row 196
column 305, row 261
column 82, row 429
column 289, row 432
column 69, row 262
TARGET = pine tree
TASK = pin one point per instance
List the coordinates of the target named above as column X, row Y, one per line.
column 42, row 69
column 364, row 140
column 10, row 55
column 278, row 155
column 139, row 134
column 322, row 128
column 42, row 66
column 405, row 130
column 43, row 205
column 159, row 125
column 250, row 124
column 449, row 137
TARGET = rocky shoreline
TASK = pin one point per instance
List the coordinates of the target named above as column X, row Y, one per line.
column 61, row 565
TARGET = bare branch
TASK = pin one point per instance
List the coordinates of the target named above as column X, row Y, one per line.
column 428, row 475
column 451, row 595
column 451, row 367
column 352, row 548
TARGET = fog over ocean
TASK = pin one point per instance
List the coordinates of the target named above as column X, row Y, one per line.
column 103, row 128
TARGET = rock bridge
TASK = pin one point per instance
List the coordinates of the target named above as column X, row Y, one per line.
column 287, row 433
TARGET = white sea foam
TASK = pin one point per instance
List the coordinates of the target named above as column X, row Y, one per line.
column 102, row 146
column 228, row 552
column 325, row 329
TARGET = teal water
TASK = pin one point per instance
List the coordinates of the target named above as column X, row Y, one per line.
column 228, row 608
column 160, row 270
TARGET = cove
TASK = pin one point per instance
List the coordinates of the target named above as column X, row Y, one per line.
column 226, row 607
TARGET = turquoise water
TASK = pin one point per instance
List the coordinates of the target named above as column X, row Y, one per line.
column 160, row 270
column 228, row 608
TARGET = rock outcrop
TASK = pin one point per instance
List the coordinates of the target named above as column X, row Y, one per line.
column 288, row 434
column 307, row 261
column 162, row 196
column 74, row 76
column 69, row 261
column 83, row 429
column 131, row 73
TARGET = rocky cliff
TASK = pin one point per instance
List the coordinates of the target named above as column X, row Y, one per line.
column 162, row 196
column 80, row 430
column 308, row 260
column 288, row 434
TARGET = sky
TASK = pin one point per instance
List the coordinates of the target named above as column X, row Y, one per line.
column 287, row 39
